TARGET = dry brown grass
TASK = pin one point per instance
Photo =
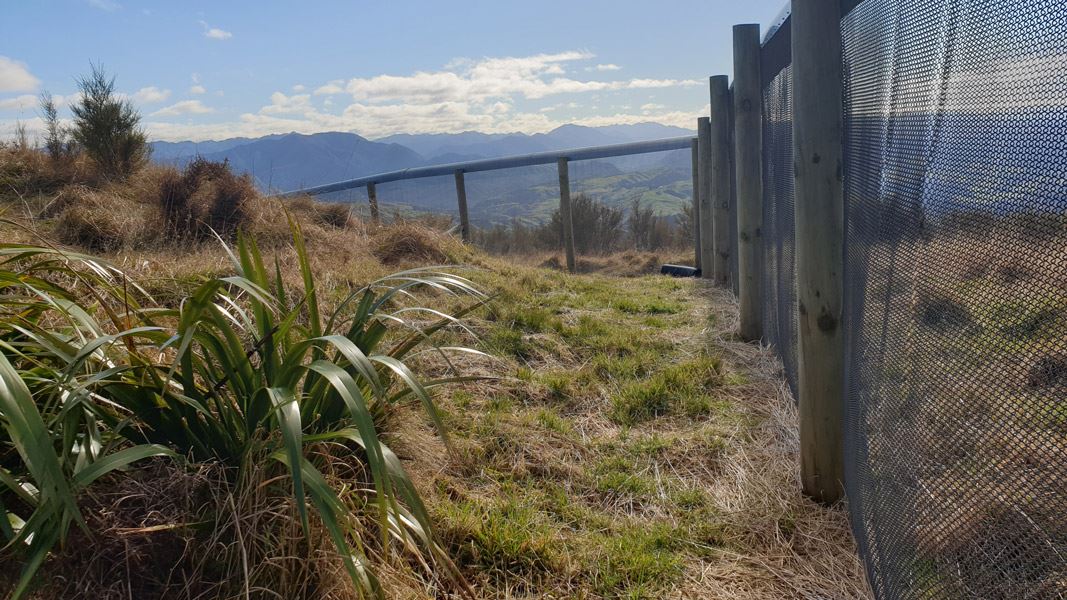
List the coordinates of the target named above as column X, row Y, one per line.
column 624, row 263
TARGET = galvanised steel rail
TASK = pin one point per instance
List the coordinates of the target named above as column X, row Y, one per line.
column 492, row 164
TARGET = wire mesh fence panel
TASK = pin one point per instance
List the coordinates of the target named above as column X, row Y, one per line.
column 510, row 208
column 355, row 198
column 956, row 301
column 633, row 202
column 780, row 299
column 431, row 200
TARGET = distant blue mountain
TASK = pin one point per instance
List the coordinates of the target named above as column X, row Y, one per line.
column 293, row 161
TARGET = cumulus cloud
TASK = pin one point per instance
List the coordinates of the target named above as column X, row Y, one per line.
column 197, row 89
column 606, row 67
column 488, row 94
column 281, row 104
column 530, row 77
column 333, row 87
column 215, row 33
column 15, row 76
column 23, row 102
column 185, row 107
column 151, row 95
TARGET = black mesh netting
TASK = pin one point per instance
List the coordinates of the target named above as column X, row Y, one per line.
column 956, row 293
column 779, row 310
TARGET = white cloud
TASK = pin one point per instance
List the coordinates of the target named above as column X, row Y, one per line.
column 108, row 5
column 333, row 87
column 487, row 94
column 606, row 67
column 185, row 107
column 214, row 32
column 197, row 89
column 492, row 78
column 281, row 104
column 151, row 95
column 16, row 77
column 22, row 102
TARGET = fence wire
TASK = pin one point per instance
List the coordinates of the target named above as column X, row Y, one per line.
column 956, row 199
column 780, row 298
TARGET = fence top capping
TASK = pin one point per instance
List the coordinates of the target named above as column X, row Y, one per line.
column 508, row 162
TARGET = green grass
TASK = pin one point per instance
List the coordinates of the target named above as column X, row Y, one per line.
column 586, row 457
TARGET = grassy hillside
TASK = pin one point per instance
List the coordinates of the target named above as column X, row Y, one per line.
column 594, row 435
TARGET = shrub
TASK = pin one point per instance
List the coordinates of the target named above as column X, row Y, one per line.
column 57, row 142
column 597, row 226
column 108, row 127
column 207, row 196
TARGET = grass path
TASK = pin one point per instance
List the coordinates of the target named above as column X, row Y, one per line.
column 637, row 451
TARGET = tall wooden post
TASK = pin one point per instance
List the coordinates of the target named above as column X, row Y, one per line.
column 705, row 218
column 565, row 212
column 720, row 178
column 695, row 147
column 461, row 197
column 748, row 167
column 372, row 197
column 819, row 217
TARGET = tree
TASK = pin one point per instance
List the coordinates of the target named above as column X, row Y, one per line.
column 108, row 127
column 56, row 139
column 642, row 223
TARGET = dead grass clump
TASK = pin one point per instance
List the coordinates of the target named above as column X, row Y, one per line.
column 144, row 538
column 630, row 263
column 102, row 222
column 28, row 171
column 404, row 243
column 207, row 196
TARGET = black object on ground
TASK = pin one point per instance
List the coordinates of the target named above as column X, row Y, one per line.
column 679, row 271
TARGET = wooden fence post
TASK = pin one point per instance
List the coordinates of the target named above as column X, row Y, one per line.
column 720, row 187
column 565, row 212
column 819, row 217
column 705, row 218
column 461, row 196
column 372, row 197
column 748, row 155
column 695, row 147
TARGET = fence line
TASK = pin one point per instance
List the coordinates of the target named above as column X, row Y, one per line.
column 910, row 219
column 944, row 221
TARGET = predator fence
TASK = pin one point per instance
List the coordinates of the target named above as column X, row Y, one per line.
column 955, row 274
column 955, row 277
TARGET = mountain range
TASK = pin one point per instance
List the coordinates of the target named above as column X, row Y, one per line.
column 294, row 161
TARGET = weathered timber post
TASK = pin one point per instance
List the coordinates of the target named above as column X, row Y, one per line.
column 461, row 197
column 372, row 197
column 565, row 212
column 720, row 188
column 748, row 165
column 695, row 146
column 705, row 219
column 819, row 217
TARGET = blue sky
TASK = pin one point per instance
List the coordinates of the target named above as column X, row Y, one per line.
column 211, row 70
